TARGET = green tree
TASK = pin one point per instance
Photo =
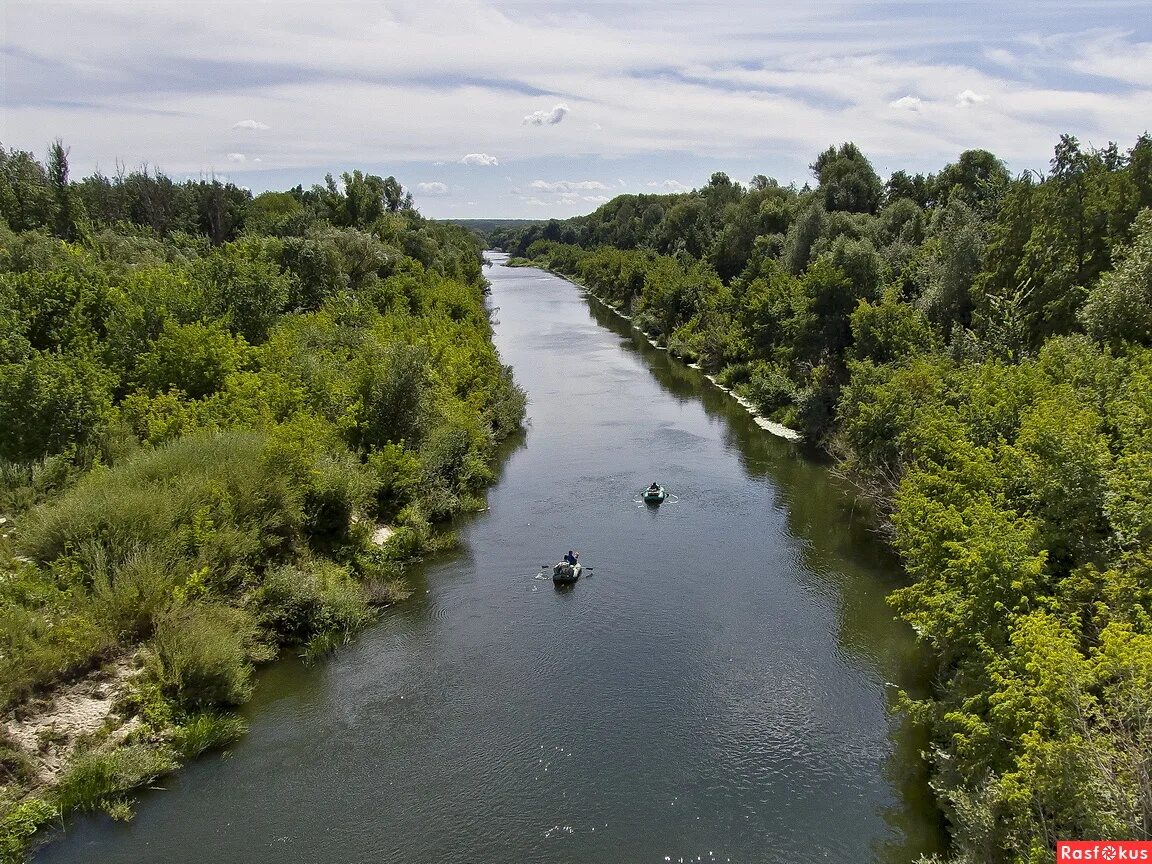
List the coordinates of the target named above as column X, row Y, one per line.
column 66, row 205
column 847, row 180
column 953, row 268
column 52, row 401
column 194, row 358
column 26, row 195
column 978, row 179
column 1119, row 308
column 248, row 291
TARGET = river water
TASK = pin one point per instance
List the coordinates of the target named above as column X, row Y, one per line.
column 716, row 689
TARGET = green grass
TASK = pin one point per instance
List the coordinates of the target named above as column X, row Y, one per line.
column 128, row 546
column 201, row 656
column 186, row 494
column 96, row 778
column 206, row 731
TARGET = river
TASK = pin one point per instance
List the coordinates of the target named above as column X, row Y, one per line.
column 716, row 689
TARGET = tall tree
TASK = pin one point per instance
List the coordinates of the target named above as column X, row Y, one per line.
column 847, row 180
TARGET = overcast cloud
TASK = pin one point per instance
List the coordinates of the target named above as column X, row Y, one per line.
column 439, row 92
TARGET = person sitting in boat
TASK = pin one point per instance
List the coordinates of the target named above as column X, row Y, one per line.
column 655, row 487
column 571, row 557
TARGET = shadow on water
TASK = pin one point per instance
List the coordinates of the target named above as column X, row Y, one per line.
column 843, row 552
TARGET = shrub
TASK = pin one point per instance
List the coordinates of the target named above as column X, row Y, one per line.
column 178, row 496
column 130, row 588
column 340, row 487
column 200, row 656
column 296, row 604
column 398, row 477
column 39, row 647
column 733, row 375
column 195, row 358
column 23, row 485
column 53, row 400
column 769, row 388
column 18, row 822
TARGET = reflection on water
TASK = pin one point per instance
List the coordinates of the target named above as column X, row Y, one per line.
column 714, row 687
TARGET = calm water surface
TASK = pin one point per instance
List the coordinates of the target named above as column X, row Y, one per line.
column 715, row 690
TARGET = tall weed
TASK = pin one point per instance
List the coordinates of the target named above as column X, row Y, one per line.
column 97, row 777
column 201, row 658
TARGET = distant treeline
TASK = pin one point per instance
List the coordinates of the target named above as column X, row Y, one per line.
column 485, row 227
column 976, row 349
column 209, row 402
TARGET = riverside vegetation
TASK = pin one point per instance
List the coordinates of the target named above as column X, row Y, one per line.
column 976, row 349
column 208, row 403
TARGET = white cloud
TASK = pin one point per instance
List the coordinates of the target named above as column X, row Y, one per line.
column 1001, row 56
column 433, row 188
column 566, row 187
column 906, row 103
column 546, row 118
column 599, row 199
column 1113, row 55
column 479, row 159
column 669, row 185
column 670, row 82
column 970, row 97
column 237, row 157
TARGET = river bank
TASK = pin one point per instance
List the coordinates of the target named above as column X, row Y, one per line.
column 719, row 682
column 244, row 488
column 768, row 425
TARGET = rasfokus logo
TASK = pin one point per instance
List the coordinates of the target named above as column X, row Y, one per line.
column 1104, row 850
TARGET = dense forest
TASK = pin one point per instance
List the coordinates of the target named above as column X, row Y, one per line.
column 976, row 350
column 226, row 422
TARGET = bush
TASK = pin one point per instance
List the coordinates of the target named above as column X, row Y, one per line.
column 296, row 604
column 181, row 497
column 52, row 401
column 194, row 358
column 200, row 656
column 769, row 388
column 39, row 647
column 734, row 375
column 398, row 477
column 340, row 487
column 132, row 591
column 18, row 822
column 23, row 485
column 507, row 404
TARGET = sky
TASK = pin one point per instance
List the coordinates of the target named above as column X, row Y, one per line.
column 547, row 108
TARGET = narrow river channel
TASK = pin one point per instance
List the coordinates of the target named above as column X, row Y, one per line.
column 715, row 690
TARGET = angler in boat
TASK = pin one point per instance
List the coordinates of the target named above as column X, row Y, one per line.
column 568, row 570
column 654, row 494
